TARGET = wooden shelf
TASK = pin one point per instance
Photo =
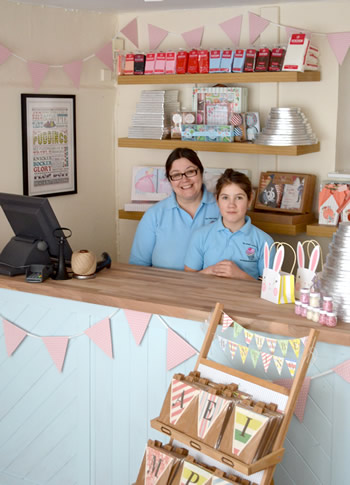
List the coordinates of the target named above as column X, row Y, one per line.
column 248, row 148
column 320, row 230
column 265, row 462
column 272, row 225
column 227, row 78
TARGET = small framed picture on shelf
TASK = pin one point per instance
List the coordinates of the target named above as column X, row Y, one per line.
column 285, row 192
column 149, row 184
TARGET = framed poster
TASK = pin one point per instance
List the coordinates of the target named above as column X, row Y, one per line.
column 49, row 144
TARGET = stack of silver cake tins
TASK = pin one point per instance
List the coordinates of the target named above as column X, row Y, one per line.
column 335, row 279
column 286, row 126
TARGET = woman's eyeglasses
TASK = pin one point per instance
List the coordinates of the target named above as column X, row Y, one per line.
column 188, row 174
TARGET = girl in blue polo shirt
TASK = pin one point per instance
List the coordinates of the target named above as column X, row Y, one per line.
column 231, row 247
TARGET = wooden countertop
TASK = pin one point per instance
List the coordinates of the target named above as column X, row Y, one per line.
column 183, row 295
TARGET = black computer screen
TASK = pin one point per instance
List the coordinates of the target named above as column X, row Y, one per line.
column 32, row 218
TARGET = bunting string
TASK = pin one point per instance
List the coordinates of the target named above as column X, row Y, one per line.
column 178, row 349
column 339, row 42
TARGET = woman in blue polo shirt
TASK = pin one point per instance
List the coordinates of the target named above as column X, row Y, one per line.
column 231, row 247
column 164, row 231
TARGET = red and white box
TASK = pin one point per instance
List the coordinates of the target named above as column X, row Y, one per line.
column 192, row 67
column 170, row 62
column 181, row 62
column 296, row 53
column 129, row 64
column 203, row 61
column 150, row 61
column 159, row 66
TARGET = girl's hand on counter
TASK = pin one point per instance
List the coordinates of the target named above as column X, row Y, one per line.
column 226, row 269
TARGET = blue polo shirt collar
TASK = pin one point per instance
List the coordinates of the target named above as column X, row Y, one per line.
column 244, row 229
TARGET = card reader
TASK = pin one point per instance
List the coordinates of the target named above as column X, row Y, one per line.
column 37, row 273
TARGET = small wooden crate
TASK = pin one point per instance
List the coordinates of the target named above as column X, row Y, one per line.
column 288, row 192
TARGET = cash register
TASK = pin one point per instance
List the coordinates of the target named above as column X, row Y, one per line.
column 34, row 247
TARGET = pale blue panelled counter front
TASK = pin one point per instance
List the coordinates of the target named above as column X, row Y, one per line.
column 89, row 424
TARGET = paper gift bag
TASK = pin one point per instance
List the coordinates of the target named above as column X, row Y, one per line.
column 277, row 286
column 159, row 463
column 331, row 198
column 307, row 277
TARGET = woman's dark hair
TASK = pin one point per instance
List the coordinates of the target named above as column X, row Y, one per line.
column 231, row 176
column 183, row 153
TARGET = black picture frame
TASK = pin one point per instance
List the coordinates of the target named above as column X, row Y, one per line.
column 49, row 144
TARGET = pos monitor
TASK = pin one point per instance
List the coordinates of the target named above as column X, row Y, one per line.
column 36, row 239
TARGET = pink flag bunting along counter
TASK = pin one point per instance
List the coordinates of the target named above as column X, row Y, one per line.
column 138, row 323
column 100, row 334
column 57, row 348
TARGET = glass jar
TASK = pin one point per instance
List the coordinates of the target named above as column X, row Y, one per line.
column 316, row 315
column 331, row 319
column 323, row 316
column 297, row 307
column 327, row 303
column 309, row 312
column 305, row 295
column 315, row 299
column 303, row 309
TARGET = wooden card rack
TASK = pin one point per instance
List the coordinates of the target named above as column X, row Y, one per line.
column 267, row 464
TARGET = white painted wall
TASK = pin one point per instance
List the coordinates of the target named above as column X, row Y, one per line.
column 54, row 36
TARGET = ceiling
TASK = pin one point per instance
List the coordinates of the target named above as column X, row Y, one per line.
column 147, row 5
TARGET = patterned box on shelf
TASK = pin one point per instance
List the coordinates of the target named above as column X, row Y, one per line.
column 215, row 133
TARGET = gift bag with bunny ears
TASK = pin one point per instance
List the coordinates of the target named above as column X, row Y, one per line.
column 307, row 277
column 277, row 286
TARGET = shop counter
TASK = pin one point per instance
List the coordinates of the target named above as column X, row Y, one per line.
column 90, row 422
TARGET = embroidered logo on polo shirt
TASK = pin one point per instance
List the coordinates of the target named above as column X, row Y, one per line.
column 250, row 252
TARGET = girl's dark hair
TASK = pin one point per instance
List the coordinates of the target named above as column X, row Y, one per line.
column 230, row 176
column 182, row 153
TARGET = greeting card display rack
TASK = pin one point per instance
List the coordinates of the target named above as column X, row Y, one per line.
column 266, row 464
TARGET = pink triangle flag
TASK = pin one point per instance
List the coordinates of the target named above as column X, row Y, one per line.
column 340, row 43
column 73, row 70
column 130, row 32
column 4, row 54
column 105, row 54
column 178, row 350
column 57, row 347
column 226, row 321
column 257, row 25
column 232, row 29
column 156, row 35
column 13, row 336
column 138, row 323
column 343, row 370
column 193, row 38
column 266, row 358
column 38, row 72
column 302, row 398
column 100, row 334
